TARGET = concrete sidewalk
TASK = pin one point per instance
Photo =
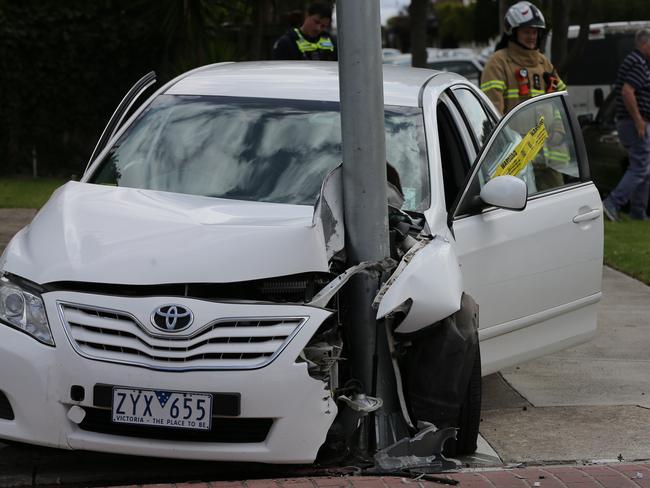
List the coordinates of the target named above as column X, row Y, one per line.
column 605, row 476
column 587, row 403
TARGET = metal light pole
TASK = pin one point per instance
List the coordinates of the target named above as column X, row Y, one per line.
column 364, row 184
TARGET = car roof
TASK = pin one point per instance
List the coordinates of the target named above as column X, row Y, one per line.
column 433, row 57
column 295, row 80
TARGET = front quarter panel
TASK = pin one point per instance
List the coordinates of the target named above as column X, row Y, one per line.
column 429, row 276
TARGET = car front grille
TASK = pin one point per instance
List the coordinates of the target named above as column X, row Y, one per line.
column 224, row 430
column 116, row 336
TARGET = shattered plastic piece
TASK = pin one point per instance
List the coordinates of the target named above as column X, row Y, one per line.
column 328, row 212
column 399, row 384
column 325, row 295
column 422, row 452
column 362, row 403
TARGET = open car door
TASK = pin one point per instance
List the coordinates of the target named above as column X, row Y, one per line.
column 536, row 271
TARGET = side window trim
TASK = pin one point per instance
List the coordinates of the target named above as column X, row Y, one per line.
column 488, row 113
column 461, row 125
column 579, row 147
column 116, row 120
column 462, row 195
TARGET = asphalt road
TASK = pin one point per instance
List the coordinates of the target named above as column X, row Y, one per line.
column 584, row 404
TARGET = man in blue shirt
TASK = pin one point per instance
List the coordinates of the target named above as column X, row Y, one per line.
column 632, row 116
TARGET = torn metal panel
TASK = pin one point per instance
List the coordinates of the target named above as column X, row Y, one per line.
column 424, row 450
column 429, row 276
column 360, row 402
column 328, row 212
column 399, row 384
column 322, row 360
column 326, row 294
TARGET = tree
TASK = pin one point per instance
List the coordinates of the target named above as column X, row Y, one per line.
column 560, row 57
column 504, row 5
column 418, row 15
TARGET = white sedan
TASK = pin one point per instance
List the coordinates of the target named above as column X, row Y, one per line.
column 183, row 299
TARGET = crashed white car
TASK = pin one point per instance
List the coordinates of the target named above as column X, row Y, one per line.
column 184, row 298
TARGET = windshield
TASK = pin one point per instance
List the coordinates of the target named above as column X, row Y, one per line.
column 253, row 149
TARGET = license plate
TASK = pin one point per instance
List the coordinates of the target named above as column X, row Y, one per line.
column 161, row 408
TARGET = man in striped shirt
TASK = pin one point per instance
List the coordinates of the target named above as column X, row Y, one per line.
column 632, row 115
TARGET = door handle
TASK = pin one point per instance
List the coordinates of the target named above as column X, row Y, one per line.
column 590, row 215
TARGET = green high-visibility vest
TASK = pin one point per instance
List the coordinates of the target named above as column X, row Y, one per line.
column 304, row 46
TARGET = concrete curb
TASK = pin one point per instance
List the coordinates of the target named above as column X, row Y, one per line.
column 599, row 476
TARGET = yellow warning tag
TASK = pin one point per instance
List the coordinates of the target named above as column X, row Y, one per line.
column 525, row 151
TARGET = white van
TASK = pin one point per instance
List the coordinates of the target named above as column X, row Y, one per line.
column 592, row 76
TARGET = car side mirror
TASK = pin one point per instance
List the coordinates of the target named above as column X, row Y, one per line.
column 505, row 191
column 599, row 97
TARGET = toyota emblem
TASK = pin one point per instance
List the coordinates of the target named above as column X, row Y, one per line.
column 172, row 318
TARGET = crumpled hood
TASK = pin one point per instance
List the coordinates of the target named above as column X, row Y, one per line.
column 100, row 234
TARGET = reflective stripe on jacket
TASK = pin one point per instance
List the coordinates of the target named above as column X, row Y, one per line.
column 500, row 82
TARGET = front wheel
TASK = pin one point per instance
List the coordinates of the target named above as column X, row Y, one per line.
column 469, row 416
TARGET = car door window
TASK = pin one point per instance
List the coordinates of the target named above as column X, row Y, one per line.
column 534, row 143
column 480, row 123
column 453, row 154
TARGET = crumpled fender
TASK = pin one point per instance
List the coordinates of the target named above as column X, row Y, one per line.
column 429, row 277
column 328, row 212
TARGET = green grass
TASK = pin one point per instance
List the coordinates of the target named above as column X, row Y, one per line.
column 627, row 248
column 26, row 193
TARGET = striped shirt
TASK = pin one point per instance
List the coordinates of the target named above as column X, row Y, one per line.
column 635, row 72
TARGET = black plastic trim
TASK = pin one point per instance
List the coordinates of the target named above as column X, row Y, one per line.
column 6, row 412
column 223, row 430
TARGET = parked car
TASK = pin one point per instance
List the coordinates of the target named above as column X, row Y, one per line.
column 183, row 299
column 462, row 62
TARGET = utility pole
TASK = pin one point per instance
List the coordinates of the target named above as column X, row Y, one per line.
column 364, row 186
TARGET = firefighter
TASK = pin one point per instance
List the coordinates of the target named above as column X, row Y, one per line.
column 517, row 70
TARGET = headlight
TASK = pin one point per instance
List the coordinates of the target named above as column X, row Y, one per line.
column 24, row 310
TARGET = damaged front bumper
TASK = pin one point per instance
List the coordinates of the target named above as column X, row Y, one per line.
column 282, row 413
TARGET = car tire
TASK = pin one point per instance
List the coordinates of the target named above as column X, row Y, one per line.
column 469, row 417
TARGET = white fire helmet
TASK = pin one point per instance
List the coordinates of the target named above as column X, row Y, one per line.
column 523, row 14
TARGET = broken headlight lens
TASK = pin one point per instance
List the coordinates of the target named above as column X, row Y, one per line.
column 24, row 310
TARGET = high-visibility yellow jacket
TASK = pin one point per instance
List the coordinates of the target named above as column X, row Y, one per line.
column 515, row 74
